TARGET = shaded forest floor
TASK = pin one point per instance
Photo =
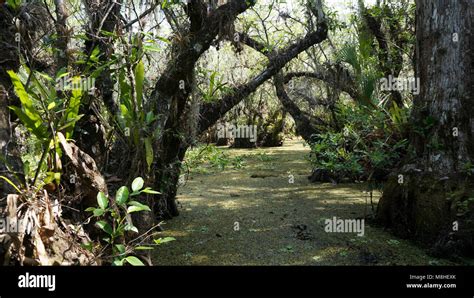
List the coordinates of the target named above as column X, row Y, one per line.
column 279, row 223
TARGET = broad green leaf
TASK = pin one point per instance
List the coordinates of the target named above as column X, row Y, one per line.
column 132, row 209
column 125, row 90
column 120, row 248
column 102, row 200
column 105, row 227
column 29, row 123
column 130, row 227
column 122, row 195
column 134, row 261
column 118, row 262
column 137, row 184
column 26, row 102
column 46, row 77
column 136, row 206
column 150, row 117
column 148, row 152
column 20, row 90
column 98, row 212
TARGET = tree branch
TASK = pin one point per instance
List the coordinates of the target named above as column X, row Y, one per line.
column 144, row 14
column 211, row 112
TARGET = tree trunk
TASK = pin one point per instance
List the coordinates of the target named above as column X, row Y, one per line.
column 172, row 91
column 428, row 199
column 10, row 161
column 63, row 35
column 104, row 16
column 304, row 126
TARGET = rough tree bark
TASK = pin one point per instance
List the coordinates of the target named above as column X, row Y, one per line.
column 104, row 16
column 428, row 199
column 9, row 60
column 63, row 34
column 305, row 126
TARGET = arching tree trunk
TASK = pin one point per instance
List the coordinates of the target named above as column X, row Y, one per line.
column 429, row 198
column 170, row 100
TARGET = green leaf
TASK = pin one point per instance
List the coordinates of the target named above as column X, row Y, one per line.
column 89, row 246
column 151, row 191
column 51, row 105
column 139, row 80
column 136, row 206
column 163, row 39
column 95, row 54
column 90, row 209
column 130, row 227
column 20, row 90
column 118, row 262
column 122, row 195
column 150, row 117
column 148, row 152
column 72, row 115
column 33, row 126
column 144, row 248
column 137, row 184
column 125, row 92
column 120, row 248
column 134, row 261
column 105, row 227
column 102, row 200
column 151, row 49
column 164, row 240
column 98, row 212
column 132, row 209
column 28, row 115
column 11, row 183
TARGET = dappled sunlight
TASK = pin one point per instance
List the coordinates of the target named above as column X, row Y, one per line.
column 253, row 216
